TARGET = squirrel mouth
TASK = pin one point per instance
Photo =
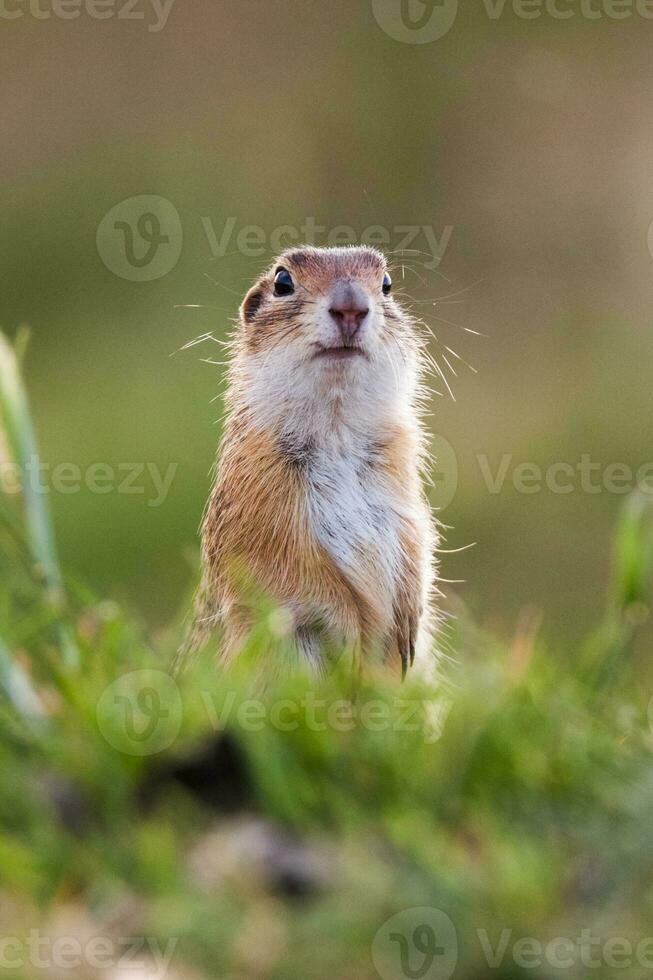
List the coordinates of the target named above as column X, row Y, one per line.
column 339, row 353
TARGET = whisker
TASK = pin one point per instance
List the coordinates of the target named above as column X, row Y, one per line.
column 455, row 551
column 448, row 363
column 449, row 323
column 221, row 285
column 202, row 339
column 196, row 306
column 465, row 289
column 461, row 359
column 442, row 375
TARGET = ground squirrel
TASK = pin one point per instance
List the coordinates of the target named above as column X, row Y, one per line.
column 318, row 494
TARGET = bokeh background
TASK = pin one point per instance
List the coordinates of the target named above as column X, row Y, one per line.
column 531, row 139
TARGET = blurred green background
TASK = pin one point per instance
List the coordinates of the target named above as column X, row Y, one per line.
column 532, row 139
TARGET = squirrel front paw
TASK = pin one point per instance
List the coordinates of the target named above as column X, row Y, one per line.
column 406, row 618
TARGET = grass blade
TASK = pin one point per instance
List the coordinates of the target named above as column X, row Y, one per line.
column 20, row 446
column 629, row 597
column 18, row 687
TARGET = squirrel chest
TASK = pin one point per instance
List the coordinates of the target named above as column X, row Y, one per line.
column 355, row 518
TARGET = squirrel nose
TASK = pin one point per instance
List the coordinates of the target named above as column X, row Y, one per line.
column 349, row 307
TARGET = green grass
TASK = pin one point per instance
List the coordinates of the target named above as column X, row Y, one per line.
column 515, row 796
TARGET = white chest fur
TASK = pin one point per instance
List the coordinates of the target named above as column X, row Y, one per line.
column 356, row 520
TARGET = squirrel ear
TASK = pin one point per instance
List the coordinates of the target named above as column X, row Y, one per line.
column 251, row 304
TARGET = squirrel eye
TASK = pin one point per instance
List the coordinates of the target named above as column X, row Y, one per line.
column 283, row 284
column 387, row 285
